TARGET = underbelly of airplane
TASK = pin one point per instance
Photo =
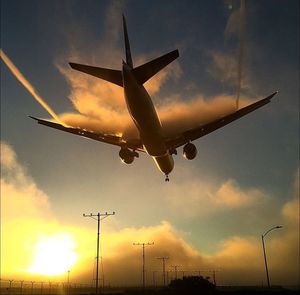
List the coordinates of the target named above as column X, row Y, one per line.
column 154, row 145
column 164, row 163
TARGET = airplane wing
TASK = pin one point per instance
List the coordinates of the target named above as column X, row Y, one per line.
column 193, row 134
column 107, row 138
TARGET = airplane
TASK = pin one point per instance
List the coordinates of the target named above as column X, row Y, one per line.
column 151, row 138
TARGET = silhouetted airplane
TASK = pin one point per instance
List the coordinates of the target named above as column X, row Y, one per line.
column 151, row 139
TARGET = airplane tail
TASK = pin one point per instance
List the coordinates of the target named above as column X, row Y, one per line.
column 127, row 45
column 142, row 73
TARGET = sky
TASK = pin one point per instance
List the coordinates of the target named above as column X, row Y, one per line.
column 212, row 213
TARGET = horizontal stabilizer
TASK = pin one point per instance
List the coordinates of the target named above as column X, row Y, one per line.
column 144, row 72
column 113, row 76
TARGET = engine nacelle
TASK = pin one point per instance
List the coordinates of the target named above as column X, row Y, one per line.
column 189, row 151
column 127, row 156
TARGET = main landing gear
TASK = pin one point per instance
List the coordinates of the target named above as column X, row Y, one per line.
column 167, row 178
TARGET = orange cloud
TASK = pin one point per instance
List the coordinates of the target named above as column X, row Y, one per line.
column 26, row 218
column 232, row 196
column 206, row 197
column 239, row 258
column 101, row 106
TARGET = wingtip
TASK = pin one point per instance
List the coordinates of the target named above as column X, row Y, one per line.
column 273, row 94
column 124, row 19
column 34, row 118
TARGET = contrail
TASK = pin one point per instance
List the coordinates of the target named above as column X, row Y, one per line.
column 242, row 24
column 28, row 86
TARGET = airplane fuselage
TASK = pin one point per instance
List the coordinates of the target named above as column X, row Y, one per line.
column 143, row 113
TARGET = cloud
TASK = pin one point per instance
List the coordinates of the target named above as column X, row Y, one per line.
column 236, row 21
column 100, row 106
column 19, row 193
column 28, row 223
column 290, row 210
column 26, row 217
column 229, row 67
column 123, row 259
column 224, row 68
column 230, row 195
column 208, row 197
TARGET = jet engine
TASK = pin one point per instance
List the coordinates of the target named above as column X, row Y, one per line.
column 127, row 156
column 189, row 151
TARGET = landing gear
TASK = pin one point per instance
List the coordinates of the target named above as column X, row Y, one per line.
column 167, row 178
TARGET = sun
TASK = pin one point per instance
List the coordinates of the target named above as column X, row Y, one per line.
column 54, row 255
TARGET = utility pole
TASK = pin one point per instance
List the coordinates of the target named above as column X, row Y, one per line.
column 163, row 258
column 143, row 247
column 100, row 217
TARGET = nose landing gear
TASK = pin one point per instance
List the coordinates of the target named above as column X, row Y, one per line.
column 167, row 178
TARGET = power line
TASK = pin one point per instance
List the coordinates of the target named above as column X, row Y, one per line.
column 143, row 257
column 100, row 217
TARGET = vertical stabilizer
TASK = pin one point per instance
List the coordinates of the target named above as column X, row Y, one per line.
column 127, row 46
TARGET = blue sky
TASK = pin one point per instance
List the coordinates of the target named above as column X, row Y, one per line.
column 255, row 157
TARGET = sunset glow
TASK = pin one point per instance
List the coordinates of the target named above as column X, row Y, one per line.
column 213, row 211
column 54, row 255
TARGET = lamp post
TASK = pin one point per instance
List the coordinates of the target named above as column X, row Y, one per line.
column 264, row 249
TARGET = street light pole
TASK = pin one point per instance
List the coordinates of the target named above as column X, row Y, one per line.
column 264, row 250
